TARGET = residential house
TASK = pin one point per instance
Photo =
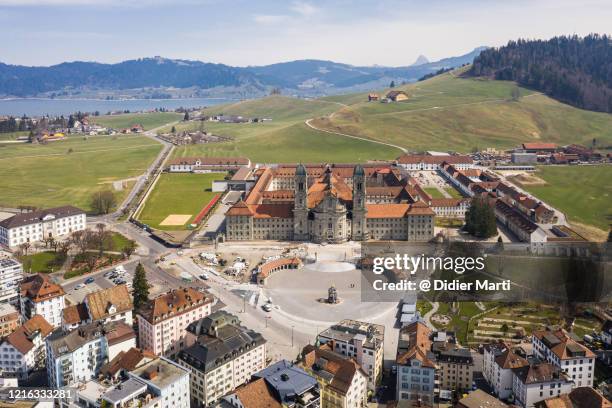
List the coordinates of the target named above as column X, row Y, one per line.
column 397, row 96
column 342, row 382
column 537, row 382
column 498, row 362
column 105, row 306
column 23, row 350
column 222, row 356
column 163, row 320
column 480, row 399
column 11, row 274
column 10, row 319
column 360, row 340
column 581, row 397
column 38, row 295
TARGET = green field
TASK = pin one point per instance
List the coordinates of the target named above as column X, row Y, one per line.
column 178, row 193
column 69, row 171
column 433, row 192
column 583, row 193
column 453, row 192
column 43, row 262
column 451, row 113
column 284, row 139
column 147, row 120
column 12, row 135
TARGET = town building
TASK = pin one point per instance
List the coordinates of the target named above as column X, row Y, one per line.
column 282, row 384
column 37, row 225
column 559, row 349
column 455, row 364
column 77, row 356
column 416, row 366
column 104, row 305
column 342, row 382
column 539, row 147
column 331, row 203
column 207, row 164
column 11, row 274
column 524, row 158
column 426, row 162
column 606, row 333
column 499, row 360
column 167, row 382
column 163, row 320
column 23, row 350
column 537, row 382
column 222, row 356
column 38, row 295
column 9, row 319
column 125, row 361
column 581, row 397
column 480, row 399
column 373, row 97
column 360, row 340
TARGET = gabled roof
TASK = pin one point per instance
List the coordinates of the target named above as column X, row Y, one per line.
column 75, row 314
column 257, row 394
column 240, row 208
column 100, row 302
column 39, row 287
column 331, row 366
column 509, row 359
column 562, row 345
column 127, row 360
column 172, row 303
column 414, row 343
column 539, row 373
column 21, row 338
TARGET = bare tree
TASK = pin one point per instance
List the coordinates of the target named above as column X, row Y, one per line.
column 102, row 202
column 25, row 247
column 128, row 249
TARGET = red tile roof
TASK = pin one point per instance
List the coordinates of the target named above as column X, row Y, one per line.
column 20, row 338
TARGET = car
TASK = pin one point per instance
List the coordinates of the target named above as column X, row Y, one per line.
column 268, row 307
column 79, row 286
column 204, row 276
column 89, row 280
column 118, row 281
column 112, row 276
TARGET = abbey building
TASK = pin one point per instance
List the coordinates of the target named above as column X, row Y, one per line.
column 332, row 203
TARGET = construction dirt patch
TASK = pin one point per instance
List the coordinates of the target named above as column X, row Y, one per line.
column 176, row 219
column 527, row 180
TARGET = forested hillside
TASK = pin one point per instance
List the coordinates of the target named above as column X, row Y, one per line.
column 574, row 70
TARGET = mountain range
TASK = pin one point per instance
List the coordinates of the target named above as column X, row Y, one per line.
column 304, row 77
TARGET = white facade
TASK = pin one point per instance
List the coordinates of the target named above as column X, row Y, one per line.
column 579, row 367
column 34, row 228
column 415, row 382
column 209, row 387
column 170, row 383
column 14, row 362
column 11, row 273
column 50, row 309
column 527, row 395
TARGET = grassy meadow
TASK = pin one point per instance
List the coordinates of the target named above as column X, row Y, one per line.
column 178, row 193
column 147, row 120
column 69, row 171
column 583, row 193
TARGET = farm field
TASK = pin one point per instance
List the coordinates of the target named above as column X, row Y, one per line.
column 451, row 113
column 69, row 171
column 147, row 120
column 179, row 194
column 583, row 193
column 283, row 139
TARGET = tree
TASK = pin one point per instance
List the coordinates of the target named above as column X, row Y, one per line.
column 173, row 130
column 128, row 249
column 275, row 91
column 140, row 287
column 186, row 117
column 25, row 247
column 392, row 84
column 102, row 237
column 480, row 218
column 102, row 202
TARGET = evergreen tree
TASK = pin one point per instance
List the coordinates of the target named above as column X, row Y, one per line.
column 392, row 84
column 140, row 287
column 186, row 117
column 480, row 218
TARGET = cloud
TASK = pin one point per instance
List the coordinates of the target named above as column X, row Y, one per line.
column 269, row 18
column 303, row 8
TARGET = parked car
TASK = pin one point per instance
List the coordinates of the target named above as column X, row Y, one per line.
column 268, row 307
column 204, row 276
column 79, row 286
column 89, row 280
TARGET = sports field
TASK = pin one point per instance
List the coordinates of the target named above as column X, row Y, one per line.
column 176, row 199
column 146, row 120
column 583, row 193
column 69, row 171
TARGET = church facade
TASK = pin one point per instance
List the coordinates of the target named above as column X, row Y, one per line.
column 332, row 203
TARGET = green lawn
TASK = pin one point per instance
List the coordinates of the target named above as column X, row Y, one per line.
column 69, row 171
column 45, row 262
column 13, row 135
column 178, row 193
column 453, row 192
column 147, row 120
column 433, row 192
column 583, row 193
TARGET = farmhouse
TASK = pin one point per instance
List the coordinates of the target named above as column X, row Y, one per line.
column 331, row 203
column 372, row 97
column 207, row 164
column 35, row 226
column 397, row 96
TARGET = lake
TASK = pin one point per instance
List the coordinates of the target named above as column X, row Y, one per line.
column 53, row 107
